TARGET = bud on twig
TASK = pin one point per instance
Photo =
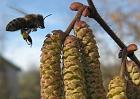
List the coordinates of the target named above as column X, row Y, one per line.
column 131, row 48
column 75, row 6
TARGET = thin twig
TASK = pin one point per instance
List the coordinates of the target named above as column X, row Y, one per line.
column 123, row 64
column 77, row 17
column 95, row 15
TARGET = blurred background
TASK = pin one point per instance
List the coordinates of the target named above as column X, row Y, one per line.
column 19, row 63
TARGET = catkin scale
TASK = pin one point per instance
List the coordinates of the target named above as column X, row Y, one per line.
column 74, row 83
column 90, row 55
column 134, row 73
column 50, row 70
column 117, row 88
column 133, row 89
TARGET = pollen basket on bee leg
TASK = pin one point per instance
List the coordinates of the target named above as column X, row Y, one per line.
column 25, row 34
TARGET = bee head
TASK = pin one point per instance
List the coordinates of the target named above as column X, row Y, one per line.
column 41, row 21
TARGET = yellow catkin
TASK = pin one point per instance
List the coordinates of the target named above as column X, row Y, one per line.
column 134, row 73
column 50, row 69
column 93, row 75
column 117, row 88
column 74, row 83
column 133, row 88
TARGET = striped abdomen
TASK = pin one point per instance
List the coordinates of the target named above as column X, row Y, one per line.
column 16, row 24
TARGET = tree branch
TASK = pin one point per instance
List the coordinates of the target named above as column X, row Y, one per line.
column 95, row 15
column 77, row 17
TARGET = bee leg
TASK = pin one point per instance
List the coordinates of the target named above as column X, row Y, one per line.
column 28, row 31
column 29, row 40
column 34, row 29
column 24, row 30
column 26, row 36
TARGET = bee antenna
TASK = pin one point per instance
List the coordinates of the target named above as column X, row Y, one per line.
column 47, row 16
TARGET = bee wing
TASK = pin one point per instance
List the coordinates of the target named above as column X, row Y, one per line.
column 16, row 24
column 18, row 10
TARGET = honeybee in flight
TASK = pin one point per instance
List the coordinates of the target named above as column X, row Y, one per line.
column 26, row 24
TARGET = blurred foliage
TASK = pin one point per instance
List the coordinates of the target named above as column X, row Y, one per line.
column 108, row 72
column 30, row 85
column 3, row 86
column 124, row 19
column 127, row 21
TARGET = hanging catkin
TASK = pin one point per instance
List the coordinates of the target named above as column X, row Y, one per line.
column 50, row 70
column 93, row 75
column 134, row 73
column 74, row 81
column 117, row 88
column 133, row 89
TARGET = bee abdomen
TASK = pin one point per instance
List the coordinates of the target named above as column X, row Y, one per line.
column 16, row 24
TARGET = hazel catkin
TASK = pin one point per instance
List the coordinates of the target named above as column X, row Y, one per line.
column 50, row 70
column 117, row 88
column 90, row 56
column 74, row 81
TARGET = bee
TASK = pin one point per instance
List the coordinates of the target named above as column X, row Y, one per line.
column 27, row 24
